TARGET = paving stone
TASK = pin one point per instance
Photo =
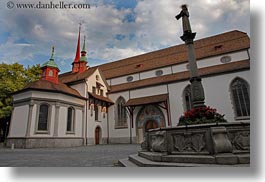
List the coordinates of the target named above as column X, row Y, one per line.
column 89, row 156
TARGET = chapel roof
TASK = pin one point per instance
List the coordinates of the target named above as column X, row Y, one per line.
column 45, row 85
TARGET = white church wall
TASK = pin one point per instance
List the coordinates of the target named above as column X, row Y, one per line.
column 102, row 121
column 123, row 79
column 202, row 63
column 57, row 96
column 212, row 61
column 78, row 123
column 118, row 135
column 217, row 94
column 176, row 100
column 62, row 121
column 148, row 91
column 80, row 87
column 152, row 73
column 19, row 121
column 219, row 97
column 33, row 119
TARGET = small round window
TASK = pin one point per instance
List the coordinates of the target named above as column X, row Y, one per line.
column 159, row 72
column 225, row 59
column 97, row 77
column 129, row 78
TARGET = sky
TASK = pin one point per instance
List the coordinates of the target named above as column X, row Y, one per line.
column 114, row 29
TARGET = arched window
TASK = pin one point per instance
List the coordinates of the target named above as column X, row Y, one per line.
column 240, row 96
column 50, row 73
column 187, row 98
column 121, row 117
column 70, row 119
column 43, row 117
column 96, row 112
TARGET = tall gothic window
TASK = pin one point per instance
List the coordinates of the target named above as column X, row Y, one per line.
column 187, row 98
column 96, row 112
column 121, row 117
column 43, row 117
column 70, row 119
column 240, row 97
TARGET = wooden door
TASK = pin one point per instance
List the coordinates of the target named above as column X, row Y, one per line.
column 151, row 125
column 97, row 135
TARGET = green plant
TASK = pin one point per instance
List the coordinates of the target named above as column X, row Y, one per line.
column 201, row 115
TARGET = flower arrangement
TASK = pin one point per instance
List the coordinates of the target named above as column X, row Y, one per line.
column 201, row 115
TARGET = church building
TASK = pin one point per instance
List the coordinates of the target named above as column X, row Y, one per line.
column 118, row 102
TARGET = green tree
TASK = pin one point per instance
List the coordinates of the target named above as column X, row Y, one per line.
column 14, row 77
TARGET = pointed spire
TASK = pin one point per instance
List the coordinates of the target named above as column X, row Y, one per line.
column 84, row 45
column 51, row 62
column 52, row 59
column 83, row 52
column 77, row 56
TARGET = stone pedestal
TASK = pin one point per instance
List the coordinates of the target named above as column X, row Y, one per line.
column 196, row 145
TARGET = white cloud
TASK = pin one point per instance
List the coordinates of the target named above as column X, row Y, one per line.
column 155, row 27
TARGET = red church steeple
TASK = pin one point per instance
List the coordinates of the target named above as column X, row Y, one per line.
column 83, row 59
column 79, row 64
column 50, row 70
column 76, row 63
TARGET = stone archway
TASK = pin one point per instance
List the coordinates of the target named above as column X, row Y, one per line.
column 149, row 117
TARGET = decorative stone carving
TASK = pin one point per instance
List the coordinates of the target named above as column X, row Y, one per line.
column 221, row 143
column 189, row 142
column 159, row 142
column 144, row 144
column 240, row 140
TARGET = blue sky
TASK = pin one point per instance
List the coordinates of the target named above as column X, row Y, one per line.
column 114, row 29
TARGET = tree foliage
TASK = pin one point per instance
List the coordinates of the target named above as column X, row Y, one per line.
column 14, row 77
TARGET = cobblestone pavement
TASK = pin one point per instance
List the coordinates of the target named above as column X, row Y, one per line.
column 89, row 156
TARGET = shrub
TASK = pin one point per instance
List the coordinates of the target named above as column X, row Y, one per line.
column 200, row 116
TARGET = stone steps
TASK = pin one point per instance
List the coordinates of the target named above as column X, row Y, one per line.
column 126, row 163
column 143, row 159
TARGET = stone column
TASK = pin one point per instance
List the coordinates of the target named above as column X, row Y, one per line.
column 197, row 92
column 56, row 120
column 31, row 104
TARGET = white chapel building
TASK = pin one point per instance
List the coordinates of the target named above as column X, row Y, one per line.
column 118, row 102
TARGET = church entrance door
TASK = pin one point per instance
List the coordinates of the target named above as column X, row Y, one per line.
column 151, row 124
column 97, row 135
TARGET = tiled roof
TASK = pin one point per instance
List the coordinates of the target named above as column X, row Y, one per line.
column 207, row 47
column 229, row 67
column 100, row 97
column 147, row 100
column 45, row 85
column 73, row 77
column 211, row 46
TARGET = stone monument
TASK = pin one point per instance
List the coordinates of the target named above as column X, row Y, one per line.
column 197, row 92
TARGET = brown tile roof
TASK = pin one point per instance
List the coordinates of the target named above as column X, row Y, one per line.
column 210, row 46
column 100, row 97
column 73, row 77
column 218, row 69
column 147, row 100
column 44, row 85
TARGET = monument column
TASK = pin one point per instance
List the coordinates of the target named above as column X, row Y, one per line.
column 197, row 93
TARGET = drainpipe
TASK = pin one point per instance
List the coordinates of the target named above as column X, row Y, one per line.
column 86, row 116
column 107, row 109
